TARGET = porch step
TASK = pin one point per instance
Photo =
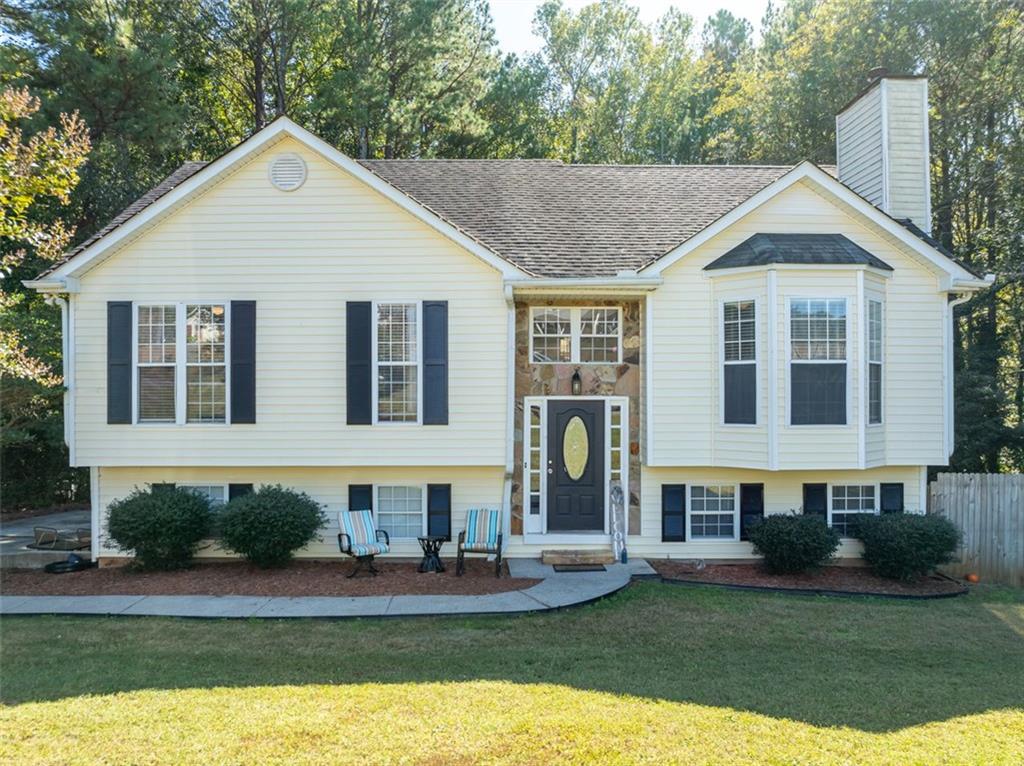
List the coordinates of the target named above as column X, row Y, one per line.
column 577, row 557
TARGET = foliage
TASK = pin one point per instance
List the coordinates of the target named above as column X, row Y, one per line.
column 162, row 526
column 710, row 676
column 907, row 545
column 793, row 543
column 269, row 525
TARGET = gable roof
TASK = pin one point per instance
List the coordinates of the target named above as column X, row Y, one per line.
column 803, row 249
column 532, row 218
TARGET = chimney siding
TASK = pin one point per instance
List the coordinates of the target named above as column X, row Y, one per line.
column 882, row 148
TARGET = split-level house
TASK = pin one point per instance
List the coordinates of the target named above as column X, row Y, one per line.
column 423, row 337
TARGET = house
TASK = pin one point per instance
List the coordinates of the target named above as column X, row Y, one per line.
column 428, row 336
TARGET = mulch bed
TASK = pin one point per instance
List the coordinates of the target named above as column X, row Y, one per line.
column 845, row 579
column 300, row 578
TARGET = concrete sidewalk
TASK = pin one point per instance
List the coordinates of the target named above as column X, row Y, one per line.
column 556, row 590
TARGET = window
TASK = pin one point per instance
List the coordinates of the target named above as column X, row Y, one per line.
column 205, row 369
column 739, row 360
column 874, row 313
column 582, row 335
column 534, row 457
column 181, row 356
column 817, row 361
column 847, row 502
column 713, row 512
column 217, row 494
column 400, row 511
column 398, row 362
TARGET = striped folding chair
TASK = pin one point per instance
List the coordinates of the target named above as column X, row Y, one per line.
column 361, row 540
column 482, row 535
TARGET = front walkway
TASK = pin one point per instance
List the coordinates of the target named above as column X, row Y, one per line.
column 556, row 590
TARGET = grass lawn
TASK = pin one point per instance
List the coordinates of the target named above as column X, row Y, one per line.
column 658, row 674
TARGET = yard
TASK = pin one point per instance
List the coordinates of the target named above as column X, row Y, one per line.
column 657, row 674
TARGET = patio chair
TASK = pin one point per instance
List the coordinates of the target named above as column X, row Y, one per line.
column 482, row 535
column 361, row 540
column 53, row 539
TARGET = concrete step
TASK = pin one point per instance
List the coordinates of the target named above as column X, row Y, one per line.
column 560, row 557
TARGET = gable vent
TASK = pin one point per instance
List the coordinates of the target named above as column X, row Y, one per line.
column 287, row 172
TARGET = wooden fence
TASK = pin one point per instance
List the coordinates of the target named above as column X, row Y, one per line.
column 989, row 508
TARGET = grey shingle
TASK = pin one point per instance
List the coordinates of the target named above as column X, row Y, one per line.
column 806, row 249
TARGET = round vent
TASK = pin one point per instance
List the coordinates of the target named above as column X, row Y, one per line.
column 287, row 172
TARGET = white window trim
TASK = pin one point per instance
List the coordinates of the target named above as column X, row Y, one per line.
column 196, row 484
column 757, row 363
column 575, row 332
column 851, row 420
column 867, row 360
column 375, row 388
column 535, row 527
column 180, row 363
column 423, row 507
column 852, row 483
column 735, row 511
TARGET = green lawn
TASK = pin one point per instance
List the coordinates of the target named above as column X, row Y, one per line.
column 657, row 674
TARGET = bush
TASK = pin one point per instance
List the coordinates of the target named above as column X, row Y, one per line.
column 793, row 543
column 269, row 525
column 162, row 526
column 906, row 545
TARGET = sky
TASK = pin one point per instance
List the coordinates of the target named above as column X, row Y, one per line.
column 513, row 19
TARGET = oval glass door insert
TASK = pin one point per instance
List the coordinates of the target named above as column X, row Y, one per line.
column 575, row 448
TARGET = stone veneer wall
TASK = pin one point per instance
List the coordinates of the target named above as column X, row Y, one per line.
column 623, row 379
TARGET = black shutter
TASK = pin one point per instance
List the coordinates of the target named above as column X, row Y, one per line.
column 751, row 507
column 673, row 513
column 237, row 490
column 816, row 500
column 119, row 362
column 435, row 363
column 740, row 397
column 359, row 362
column 891, row 498
column 360, row 497
column 439, row 510
column 817, row 394
column 243, row 361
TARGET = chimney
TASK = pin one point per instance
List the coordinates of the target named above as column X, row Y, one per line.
column 882, row 146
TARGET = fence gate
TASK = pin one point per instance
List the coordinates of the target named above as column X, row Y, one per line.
column 989, row 508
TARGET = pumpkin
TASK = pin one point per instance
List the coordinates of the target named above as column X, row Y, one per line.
column 973, row 578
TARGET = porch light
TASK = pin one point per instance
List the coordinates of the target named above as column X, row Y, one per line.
column 577, row 383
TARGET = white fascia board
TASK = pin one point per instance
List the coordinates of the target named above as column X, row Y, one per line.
column 273, row 132
column 811, row 172
column 52, row 285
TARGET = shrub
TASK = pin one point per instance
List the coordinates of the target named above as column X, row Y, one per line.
column 906, row 545
column 793, row 543
column 162, row 525
column 269, row 525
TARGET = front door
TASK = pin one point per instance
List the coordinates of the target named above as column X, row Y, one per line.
column 576, row 463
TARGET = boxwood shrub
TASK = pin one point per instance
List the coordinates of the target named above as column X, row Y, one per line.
column 162, row 525
column 903, row 546
column 267, row 526
column 793, row 543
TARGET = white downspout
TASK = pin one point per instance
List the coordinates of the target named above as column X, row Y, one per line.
column 510, row 395
column 948, row 365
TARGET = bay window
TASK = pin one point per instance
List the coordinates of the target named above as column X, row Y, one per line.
column 817, row 361
column 739, row 363
column 874, row 319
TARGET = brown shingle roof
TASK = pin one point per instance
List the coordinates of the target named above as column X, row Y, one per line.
column 558, row 220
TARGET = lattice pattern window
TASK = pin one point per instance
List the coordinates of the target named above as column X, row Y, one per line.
column 847, row 502
column 817, row 329
column 618, row 442
column 599, row 335
column 400, row 511
column 874, row 361
column 738, row 331
column 534, row 458
column 205, row 368
column 713, row 511
column 156, row 355
column 397, row 362
column 552, row 335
